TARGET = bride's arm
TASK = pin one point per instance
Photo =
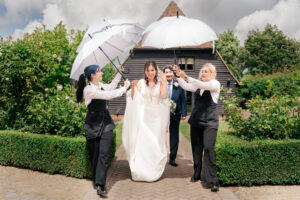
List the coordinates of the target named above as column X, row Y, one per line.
column 135, row 85
column 163, row 85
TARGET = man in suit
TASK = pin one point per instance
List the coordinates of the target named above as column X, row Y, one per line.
column 177, row 94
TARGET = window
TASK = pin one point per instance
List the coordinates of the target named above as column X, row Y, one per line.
column 186, row 63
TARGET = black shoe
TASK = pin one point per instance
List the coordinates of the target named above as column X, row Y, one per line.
column 206, row 185
column 193, row 179
column 101, row 190
column 173, row 163
column 215, row 187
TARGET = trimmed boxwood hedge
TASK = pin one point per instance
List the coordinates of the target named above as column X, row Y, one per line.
column 51, row 154
column 258, row 162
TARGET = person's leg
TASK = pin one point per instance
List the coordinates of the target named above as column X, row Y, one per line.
column 197, row 149
column 174, row 140
column 93, row 149
column 209, row 165
column 103, row 158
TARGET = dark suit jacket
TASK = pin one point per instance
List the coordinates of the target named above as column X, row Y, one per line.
column 178, row 96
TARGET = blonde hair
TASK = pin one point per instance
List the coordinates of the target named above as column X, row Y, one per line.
column 211, row 68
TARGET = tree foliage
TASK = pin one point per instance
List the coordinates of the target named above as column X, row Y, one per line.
column 40, row 60
column 270, row 51
column 230, row 50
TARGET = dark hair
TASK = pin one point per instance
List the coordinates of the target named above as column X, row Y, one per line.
column 83, row 79
column 168, row 67
column 147, row 65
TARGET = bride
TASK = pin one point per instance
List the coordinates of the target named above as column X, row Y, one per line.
column 145, row 125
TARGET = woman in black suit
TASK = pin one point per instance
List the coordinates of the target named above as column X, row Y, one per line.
column 98, row 122
column 204, row 123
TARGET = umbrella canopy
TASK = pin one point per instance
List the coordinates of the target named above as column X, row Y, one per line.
column 104, row 45
column 171, row 32
column 103, row 26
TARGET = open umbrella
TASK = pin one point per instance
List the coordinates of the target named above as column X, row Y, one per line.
column 180, row 31
column 104, row 45
column 103, row 26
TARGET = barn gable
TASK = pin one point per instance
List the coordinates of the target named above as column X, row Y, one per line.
column 194, row 58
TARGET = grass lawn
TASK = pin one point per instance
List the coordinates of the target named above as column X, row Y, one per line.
column 185, row 129
column 119, row 134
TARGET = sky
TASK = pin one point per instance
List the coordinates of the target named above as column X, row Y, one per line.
column 20, row 16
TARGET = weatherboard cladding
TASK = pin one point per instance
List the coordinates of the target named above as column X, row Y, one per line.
column 134, row 67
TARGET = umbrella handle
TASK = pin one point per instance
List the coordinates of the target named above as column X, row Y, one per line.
column 114, row 66
column 112, row 62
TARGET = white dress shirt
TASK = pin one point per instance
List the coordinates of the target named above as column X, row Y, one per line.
column 213, row 86
column 103, row 91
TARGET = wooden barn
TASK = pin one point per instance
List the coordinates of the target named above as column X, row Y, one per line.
column 190, row 59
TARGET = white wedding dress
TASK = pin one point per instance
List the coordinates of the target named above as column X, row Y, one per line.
column 144, row 134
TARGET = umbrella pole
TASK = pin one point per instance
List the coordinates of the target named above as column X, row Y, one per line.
column 109, row 58
column 111, row 62
column 175, row 60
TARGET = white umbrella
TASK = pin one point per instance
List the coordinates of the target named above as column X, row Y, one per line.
column 171, row 32
column 105, row 45
column 103, row 26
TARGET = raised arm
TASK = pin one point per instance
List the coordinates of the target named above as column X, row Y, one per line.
column 212, row 85
column 163, row 85
column 113, row 85
column 91, row 92
column 186, row 86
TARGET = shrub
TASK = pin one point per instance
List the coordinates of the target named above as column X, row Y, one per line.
column 51, row 154
column 276, row 118
column 265, row 86
column 54, row 113
column 40, row 60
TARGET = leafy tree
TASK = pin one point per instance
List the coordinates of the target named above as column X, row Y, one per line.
column 230, row 50
column 40, row 60
column 270, row 51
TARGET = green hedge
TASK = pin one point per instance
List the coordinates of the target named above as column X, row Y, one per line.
column 265, row 86
column 51, row 154
column 258, row 162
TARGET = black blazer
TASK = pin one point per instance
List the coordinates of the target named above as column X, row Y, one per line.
column 178, row 96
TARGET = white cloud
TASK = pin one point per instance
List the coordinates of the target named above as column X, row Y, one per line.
column 77, row 14
column 20, row 11
column 285, row 15
column 19, row 33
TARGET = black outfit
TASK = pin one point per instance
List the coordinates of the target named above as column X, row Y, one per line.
column 204, row 123
column 99, row 131
column 178, row 96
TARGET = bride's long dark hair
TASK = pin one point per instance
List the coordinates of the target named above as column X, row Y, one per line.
column 147, row 65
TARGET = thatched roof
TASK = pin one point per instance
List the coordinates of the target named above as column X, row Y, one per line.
column 171, row 10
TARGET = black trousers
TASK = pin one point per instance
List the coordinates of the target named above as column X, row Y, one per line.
column 174, row 139
column 99, row 151
column 203, row 141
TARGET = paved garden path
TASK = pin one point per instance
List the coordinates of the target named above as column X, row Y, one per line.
column 23, row 184
column 174, row 184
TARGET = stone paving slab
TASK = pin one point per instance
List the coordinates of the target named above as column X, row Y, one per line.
column 174, row 183
column 24, row 184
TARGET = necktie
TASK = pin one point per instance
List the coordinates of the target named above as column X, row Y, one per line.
column 170, row 90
